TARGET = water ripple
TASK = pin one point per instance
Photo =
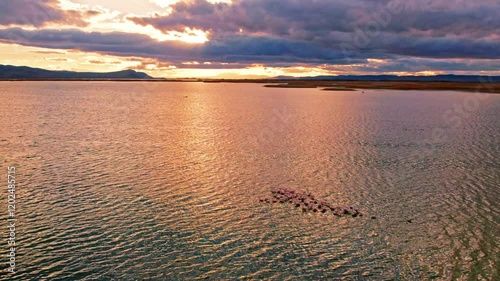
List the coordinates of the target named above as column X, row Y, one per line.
column 116, row 184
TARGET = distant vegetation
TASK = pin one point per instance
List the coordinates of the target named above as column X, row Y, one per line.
column 394, row 78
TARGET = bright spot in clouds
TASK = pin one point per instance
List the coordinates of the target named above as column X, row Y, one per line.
column 163, row 3
column 110, row 20
column 167, row 3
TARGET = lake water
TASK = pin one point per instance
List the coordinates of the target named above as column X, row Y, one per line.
column 161, row 181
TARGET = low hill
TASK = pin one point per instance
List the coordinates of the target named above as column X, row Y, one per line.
column 24, row 72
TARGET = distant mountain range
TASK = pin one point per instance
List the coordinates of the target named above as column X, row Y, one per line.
column 435, row 78
column 24, row 72
column 8, row 72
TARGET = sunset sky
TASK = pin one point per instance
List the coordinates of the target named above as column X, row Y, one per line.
column 253, row 38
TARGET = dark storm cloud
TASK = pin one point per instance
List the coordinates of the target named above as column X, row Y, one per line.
column 414, row 28
column 438, row 65
column 115, row 43
column 40, row 12
column 232, row 49
column 267, row 49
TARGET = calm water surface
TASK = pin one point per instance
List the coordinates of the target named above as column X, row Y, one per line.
column 145, row 181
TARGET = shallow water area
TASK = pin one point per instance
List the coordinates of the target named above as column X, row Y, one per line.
column 162, row 181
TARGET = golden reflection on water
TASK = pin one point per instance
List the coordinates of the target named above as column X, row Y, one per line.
column 167, row 176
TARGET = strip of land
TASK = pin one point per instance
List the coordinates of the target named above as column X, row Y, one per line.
column 477, row 87
column 391, row 85
column 468, row 83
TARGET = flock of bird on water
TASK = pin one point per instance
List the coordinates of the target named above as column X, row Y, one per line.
column 308, row 203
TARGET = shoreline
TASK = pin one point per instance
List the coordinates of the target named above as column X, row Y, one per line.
column 486, row 87
column 492, row 88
